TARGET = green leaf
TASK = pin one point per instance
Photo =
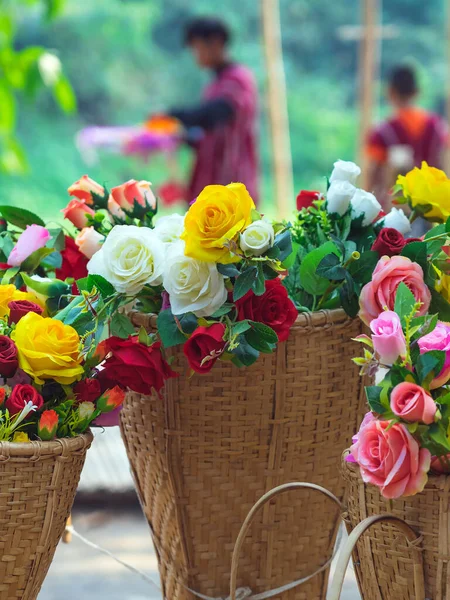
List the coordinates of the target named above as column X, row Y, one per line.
column 439, row 306
column 417, row 252
column 168, row 329
column 103, row 286
column 254, row 339
column 265, row 332
column 445, row 399
column 244, row 282
column 435, row 245
column 121, row 326
column 348, row 298
column 64, row 95
column 223, row 310
column 283, row 242
column 404, row 301
column 188, row 322
column 439, row 435
column 52, row 261
column 245, row 353
column 57, row 241
column 362, row 269
column 228, row 270
column 330, row 268
column 35, row 259
column 20, row 217
column 310, row 281
column 373, row 394
column 447, row 225
column 259, row 285
column 240, row 327
column 8, row 111
column 429, row 362
column 9, row 274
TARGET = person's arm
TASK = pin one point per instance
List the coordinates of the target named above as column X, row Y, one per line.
column 207, row 115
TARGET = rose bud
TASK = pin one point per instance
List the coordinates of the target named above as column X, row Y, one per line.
column 389, row 242
column 85, row 410
column 20, row 396
column 19, row 308
column 412, row 403
column 77, row 212
column 388, row 337
column 305, row 198
column 2, row 396
column 87, row 390
column 115, row 210
column 48, row 425
column 134, row 192
column 89, row 241
column 111, row 399
column 33, row 238
column 8, row 357
column 45, row 287
column 84, row 188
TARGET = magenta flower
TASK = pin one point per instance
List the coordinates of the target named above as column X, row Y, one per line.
column 33, row 238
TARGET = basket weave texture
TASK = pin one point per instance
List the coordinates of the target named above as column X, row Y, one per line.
column 38, row 482
column 206, row 451
column 384, row 563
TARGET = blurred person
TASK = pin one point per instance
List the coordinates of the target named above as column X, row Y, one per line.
column 226, row 149
column 403, row 141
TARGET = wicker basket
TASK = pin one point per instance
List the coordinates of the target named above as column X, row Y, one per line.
column 386, row 565
column 206, row 452
column 38, row 486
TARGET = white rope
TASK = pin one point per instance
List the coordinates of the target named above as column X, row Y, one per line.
column 243, row 593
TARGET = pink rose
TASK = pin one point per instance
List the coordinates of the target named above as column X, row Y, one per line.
column 132, row 190
column 83, row 188
column 115, row 209
column 76, row 211
column 33, row 238
column 89, row 241
column 387, row 276
column 390, row 458
column 388, row 338
column 368, row 418
column 438, row 339
column 441, row 464
column 412, row 403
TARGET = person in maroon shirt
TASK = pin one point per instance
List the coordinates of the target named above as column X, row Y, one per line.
column 222, row 128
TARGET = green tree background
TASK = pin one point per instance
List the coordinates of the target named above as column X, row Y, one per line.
column 125, row 60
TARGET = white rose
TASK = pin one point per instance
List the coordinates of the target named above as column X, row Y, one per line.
column 257, row 238
column 130, row 258
column 365, row 203
column 338, row 197
column 345, row 170
column 192, row 285
column 397, row 220
column 169, row 229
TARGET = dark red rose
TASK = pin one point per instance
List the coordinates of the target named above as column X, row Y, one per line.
column 19, row 308
column 305, row 199
column 8, row 357
column 74, row 264
column 135, row 365
column 274, row 308
column 389, row 242
column 205, row 343
column 88, row 390
column 410, row 240
column 21, row 394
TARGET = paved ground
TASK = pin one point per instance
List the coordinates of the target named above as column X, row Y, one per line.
column 79, row 572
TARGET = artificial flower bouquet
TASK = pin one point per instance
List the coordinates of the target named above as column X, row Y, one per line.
column 212, row 276
column 338, row 238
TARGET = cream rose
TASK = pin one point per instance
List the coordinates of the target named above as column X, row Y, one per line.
column 257, row 238
column 365, row 204
column 339, row 196
column 192, row 285
column 89, row 241
column 130, row 258
column 169, row 229
column 345, row 170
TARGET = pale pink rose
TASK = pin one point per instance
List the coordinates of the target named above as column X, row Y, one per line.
column 368, row 418
column 83, row 188
column 380, row 293
column 76, row 211
column 412, row 403
column 89, row 241
column 33, row 238
column 115, row 209
column 132, row 190
column 388, row 338
column 441, row 464
column 390, row 458
column 438, row 339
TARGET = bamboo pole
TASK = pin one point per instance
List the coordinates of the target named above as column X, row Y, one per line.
column 278, row 111
column 367, row 74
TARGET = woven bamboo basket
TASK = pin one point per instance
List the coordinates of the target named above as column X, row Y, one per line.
column 38, row 485
column 386, row 566
column 213, row 445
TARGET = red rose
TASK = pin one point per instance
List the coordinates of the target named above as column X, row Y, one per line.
column 74, row 263
column 274, row 308
column 8, row 357
column 19, row 308
column 21, row 394
column 136, row 365
column 204, row 347
column 305, row 199
column 410, row 240
column 87, row 390
column 389, row 242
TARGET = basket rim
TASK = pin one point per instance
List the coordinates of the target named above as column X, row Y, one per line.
column 39, row 448
column 319, row 318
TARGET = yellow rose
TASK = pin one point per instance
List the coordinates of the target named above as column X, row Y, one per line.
column 427, row 186
column 9, row 292
column 217, row 217
column 48, row 349
column 442, row 284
